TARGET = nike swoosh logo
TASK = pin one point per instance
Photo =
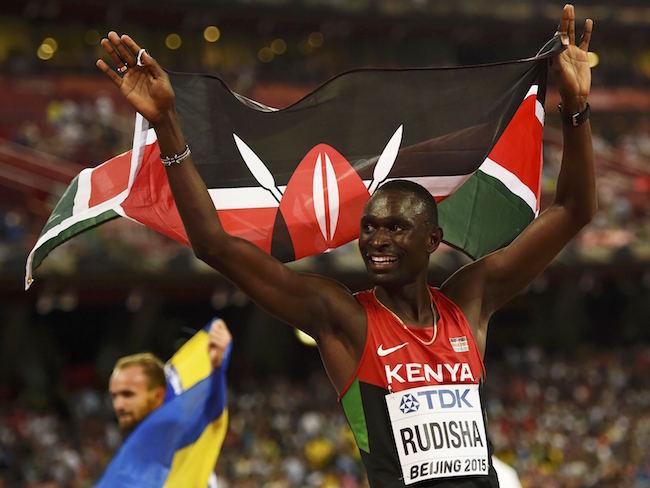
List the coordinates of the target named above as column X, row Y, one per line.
column 385, row 352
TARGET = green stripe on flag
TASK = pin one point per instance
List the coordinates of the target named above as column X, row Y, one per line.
column 64, row 207
column 483, row 215
column 69, row 232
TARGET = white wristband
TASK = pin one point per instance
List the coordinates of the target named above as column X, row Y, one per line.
column 176, row 158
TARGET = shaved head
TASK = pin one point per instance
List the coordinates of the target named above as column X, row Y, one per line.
column 429, row 205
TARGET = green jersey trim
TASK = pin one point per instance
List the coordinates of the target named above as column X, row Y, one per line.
column 353, row 408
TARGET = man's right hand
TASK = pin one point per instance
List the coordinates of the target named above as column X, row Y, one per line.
column 146, row 87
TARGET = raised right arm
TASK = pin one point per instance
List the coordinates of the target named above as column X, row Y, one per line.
column 314, row 304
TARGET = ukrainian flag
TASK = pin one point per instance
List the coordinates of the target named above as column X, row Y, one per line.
column 178, row 444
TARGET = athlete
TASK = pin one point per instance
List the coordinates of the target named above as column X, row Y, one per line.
column 184, row 405
column 404, row 357
column 138, row 384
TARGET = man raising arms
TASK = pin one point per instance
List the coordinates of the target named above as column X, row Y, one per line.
column 403, row 336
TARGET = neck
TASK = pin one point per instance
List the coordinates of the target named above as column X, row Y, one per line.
column 411, row 303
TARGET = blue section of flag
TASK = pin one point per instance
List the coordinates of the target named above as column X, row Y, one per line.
column 145, row 458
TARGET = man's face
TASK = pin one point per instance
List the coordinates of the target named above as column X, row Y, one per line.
column 132, row 398
column 395, row 239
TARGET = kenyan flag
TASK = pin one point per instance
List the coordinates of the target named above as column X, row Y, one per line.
column 294, row 181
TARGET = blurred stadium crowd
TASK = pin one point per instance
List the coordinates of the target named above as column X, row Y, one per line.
column 574, row 417
column 571, row 423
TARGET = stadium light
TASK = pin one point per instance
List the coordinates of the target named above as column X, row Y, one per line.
column 265, row 54
column 278, row 46
column 173, row 41
column 44, row 52
column 51, row 43
column 315, row 39
column 211, row 33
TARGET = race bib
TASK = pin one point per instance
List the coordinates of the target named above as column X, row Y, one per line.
column 439, row 432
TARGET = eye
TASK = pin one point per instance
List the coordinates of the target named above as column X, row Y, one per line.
column 367, row 228
column 396, row 228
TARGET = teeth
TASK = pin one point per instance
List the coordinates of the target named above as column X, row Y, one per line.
column 382, row 259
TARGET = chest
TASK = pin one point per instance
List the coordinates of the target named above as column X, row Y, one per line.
column 399, row 357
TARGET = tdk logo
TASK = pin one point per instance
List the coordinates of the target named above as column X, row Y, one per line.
column 445, row 398
column 409, row 404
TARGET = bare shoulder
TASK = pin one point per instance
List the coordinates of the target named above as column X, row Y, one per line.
column 465, row 281
column 466, row 289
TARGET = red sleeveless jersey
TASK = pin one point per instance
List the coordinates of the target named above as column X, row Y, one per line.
column 398, row 357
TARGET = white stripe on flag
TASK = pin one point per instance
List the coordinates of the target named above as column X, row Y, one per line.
column 80, row 212
column 249, row 197
column 141, row 136
column 438, row 186
column 509, row 179
column 532, row 91
column 82, row 197
column 539, row 112
column 151, row 136
column 539, row 109
column 243, row 197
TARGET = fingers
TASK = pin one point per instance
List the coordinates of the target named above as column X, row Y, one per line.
column 112, row 75
column 145, row 60
column 108, row 47
column 566, row 29
column 154, row 69
column 218, row 342
column 572, row 23
column 125, row 54
column 219, row 333
column 216, row 326
column 586, row 36
column 130, row 43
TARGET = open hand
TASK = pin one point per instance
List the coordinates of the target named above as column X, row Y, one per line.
column 145, row 85
column 571, row 66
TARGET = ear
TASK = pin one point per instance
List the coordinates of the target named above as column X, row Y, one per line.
column 435, row 238
column 159, row 396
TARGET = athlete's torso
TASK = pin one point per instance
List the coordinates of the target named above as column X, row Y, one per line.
column 426, row 362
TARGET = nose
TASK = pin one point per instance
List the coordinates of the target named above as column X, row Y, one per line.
column 379, row 238
column 118, row 404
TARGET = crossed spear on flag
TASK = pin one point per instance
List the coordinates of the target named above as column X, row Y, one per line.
column 266, row 180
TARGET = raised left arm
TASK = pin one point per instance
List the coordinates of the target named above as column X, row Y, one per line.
column 482, row 287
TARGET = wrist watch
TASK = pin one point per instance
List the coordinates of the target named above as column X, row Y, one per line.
column 577, row 118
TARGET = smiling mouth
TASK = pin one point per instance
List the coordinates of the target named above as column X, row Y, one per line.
column 382, row 260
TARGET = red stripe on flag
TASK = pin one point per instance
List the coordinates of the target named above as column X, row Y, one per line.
column 253, row 224
column 150, row 200
column 519, row 148
column 109, row 179
column 151, row 203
